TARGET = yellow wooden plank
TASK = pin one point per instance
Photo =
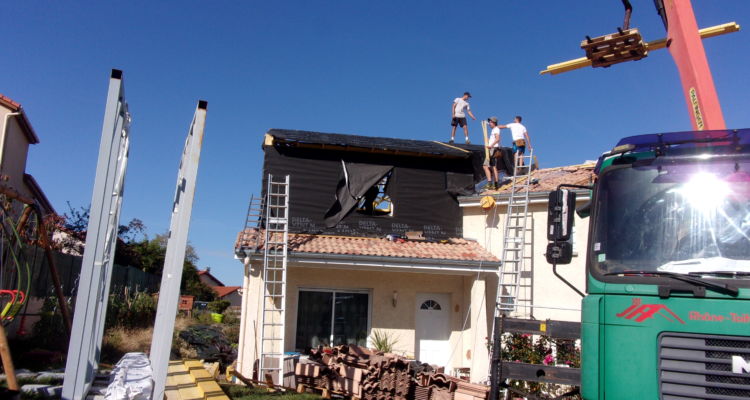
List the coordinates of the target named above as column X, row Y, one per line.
column 190, row 364
column 191, row 393
column 210, row 387
column 201, row 375
column 172, row 394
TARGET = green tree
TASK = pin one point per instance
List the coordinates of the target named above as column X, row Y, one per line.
column 134, row 248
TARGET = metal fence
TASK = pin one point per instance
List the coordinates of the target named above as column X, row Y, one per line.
column 69, row 269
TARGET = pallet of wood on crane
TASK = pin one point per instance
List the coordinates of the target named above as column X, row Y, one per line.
column 621, row 46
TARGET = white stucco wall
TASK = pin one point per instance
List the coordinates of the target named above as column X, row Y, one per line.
column 469, row 313
column 15, row 149
column 540, row 288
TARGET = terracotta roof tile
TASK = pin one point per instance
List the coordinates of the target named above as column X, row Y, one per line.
column 24, row 121
column 549, row 178
column 450, row 249
column 8, row 102
column 224, row 290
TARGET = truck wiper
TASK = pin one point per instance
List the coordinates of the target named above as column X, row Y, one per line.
column 730, row 274
column 719, row 287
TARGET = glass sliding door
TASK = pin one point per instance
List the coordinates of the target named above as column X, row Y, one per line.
column 332, row 317
column 314, row 316
column 350, row 318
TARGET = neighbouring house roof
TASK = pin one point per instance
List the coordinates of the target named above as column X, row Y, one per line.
column 39, row 194
column 205, row 273
column 24, row 121
column 225, row 290
column 547, row 180
column 338, row 141
column 455, row 249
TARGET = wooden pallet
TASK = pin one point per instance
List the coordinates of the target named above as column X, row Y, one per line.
column 324, row 392
column 614, row 48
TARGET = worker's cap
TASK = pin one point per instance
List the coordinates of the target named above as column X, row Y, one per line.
column 492, row 119
column 467, row 94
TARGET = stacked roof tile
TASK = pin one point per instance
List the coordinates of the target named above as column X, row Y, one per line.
column 548, row 179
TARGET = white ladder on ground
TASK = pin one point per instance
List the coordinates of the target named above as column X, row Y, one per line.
column 271, row 360
column 515, row 239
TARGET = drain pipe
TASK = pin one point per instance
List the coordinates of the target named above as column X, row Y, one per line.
column 4, row 134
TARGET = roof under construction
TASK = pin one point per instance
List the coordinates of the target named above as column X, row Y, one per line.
column 346, row 142
column 352, row 185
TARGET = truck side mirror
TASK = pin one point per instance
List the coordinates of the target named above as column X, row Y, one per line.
column 561, row 208
column 559, row 253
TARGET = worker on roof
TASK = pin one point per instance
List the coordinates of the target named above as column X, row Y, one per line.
column 520, row 137
column 495, row 153
column 459, row 109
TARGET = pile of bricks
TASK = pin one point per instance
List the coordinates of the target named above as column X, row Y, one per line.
column 360, row 373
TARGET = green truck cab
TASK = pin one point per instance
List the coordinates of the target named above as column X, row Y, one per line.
column 667, row 307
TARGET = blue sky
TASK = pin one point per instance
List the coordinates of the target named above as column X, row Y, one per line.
column 385, row 68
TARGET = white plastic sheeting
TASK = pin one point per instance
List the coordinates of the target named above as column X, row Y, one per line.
column 131, row 379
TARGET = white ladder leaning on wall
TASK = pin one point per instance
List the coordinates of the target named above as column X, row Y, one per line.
column 271, row 360
column 515, row 239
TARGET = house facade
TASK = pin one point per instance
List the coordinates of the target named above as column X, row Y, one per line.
column 16, row 136
column 375, row 249
column 542, row 295
column 418, row 267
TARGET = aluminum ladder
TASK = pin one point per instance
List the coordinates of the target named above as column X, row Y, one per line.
column 254, row 222
column 516, row 238
column 274, row 280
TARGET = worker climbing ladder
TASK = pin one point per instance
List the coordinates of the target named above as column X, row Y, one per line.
column 274, row 279
column 516, row 238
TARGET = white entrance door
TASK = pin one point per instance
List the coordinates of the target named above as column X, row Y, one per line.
column 433, row 328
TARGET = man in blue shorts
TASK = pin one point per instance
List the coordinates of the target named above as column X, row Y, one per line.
column 520, row 137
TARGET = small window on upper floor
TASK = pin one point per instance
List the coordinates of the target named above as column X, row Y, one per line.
column 376, row 201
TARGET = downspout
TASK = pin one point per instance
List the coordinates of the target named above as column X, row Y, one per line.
column 4, row 134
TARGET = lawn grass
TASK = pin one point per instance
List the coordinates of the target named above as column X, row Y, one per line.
column 238, row 392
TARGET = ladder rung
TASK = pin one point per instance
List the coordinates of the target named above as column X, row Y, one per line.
column 279, row 282
column 272, row 338
column 273, row 324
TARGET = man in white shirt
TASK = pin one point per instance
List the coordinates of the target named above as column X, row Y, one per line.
column 459, row 109
column 490, row 163
column 520, row 137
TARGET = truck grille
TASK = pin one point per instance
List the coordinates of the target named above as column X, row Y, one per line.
column 700, row 366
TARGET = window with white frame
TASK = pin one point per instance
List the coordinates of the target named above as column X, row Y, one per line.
column 332, row 317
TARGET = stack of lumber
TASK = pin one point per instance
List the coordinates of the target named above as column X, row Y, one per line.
column 359, row 373
column 189, row 380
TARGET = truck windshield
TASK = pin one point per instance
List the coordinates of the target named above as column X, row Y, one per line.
column 683, row 216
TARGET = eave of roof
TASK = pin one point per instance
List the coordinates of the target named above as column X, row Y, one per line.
column 14, row 106
column 455, row 253
column 39, row 194
column 222, row 291
column 206, row 272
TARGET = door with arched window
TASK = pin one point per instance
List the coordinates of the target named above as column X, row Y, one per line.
column 432, row 329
